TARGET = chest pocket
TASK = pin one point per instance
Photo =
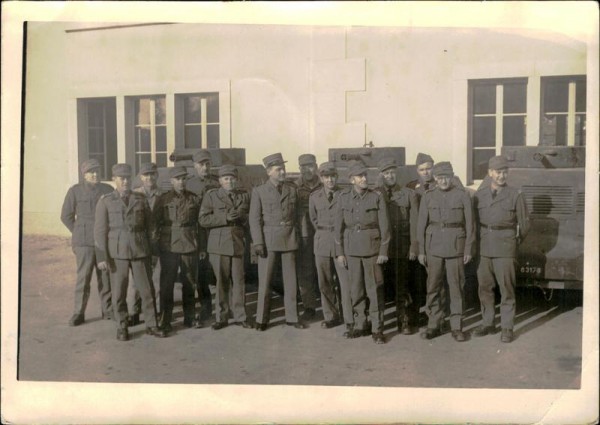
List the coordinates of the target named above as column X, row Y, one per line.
column 370, row 210
column 115, row 213
column 508, row 210
column 435, row 211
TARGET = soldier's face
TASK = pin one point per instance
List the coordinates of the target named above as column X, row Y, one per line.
column 444, row 182
column 329, row 181
column 308, row 171
column 277, row 173
column 425, row 171
column 91, row 176
column 149, row 180
column 389, row 177
column 228, row 182
column 360, row 181
column 178, row 183
column 202, row 168
column 122, row 183
column 498, row 176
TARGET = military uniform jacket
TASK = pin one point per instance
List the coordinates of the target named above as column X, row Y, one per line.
column 274, row 218
column 497, row 221
column 361, row 224
column 122, row 231
column 150, row 197
column 403, row 213
column 225, row 237
column 446, row 226
column 322, row 216
column 176, row 220
column 304, row 191
column 199, row 187
column 78, row 211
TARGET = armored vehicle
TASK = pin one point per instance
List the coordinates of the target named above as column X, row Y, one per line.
column 551, row 179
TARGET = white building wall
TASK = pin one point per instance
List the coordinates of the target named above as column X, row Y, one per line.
column 287, row 89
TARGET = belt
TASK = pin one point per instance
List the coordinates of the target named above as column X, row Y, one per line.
column 448, row 225
column 330, row 228
column 487, row 226
column 128, row 228
column 359, row 227
column 179, row 226
column 281, row 223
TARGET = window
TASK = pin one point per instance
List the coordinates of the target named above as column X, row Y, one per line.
column 97, row 132
column 563, row 108
column 200, row 120
column 150, row 127
column 498, row 115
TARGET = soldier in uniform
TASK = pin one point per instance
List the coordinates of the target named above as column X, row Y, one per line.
column 224, row 212
column 446, row 233
column 199, row 185
column 425, row 181
column 274, row 228
column 122, row 237
column 148, row 175
column 403, row 212
column 362, row 239
column 78, row 215
column 502, row 219
column 175, row 217
column 322, row 209
column 307, row 183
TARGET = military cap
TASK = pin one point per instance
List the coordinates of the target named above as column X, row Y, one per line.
column 386, row 164
column 422, row 158
column 273, row 159
column 121, row 170
column 498, row 162
column 327, row 169
column 443, row 168
column 88, row 165
column 148, row 167
column 228, row 170
column 356, row 168
column 306, row 159
column 177, row 172
column 202, row 155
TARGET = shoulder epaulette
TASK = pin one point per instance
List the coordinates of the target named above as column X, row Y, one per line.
column 212, row 189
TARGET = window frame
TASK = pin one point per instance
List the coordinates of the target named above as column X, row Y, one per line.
column 571, row 112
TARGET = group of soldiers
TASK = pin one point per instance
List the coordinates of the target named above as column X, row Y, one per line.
column 357, row 241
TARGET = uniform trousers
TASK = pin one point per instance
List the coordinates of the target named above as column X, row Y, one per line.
column 503, row 270
column 231, row 286
column 306, row 274
column 335, row 300
column 187, row 265
column 86, row 264
column 290, row 286
column 366, row 282
column 119, row 276
column 396, row 273
column 134, row 301
column 454, row 271
column 204, row 278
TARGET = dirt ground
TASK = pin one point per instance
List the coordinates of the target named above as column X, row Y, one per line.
column 546, row 353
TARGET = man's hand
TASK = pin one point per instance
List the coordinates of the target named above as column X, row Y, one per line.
column 423, row 260
column 103, row 265
column 202, row 255
column 466, row 259
column 382, row 259
column 342, row 260
column 233, row 215
column 260, row 250
column 412, row 256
